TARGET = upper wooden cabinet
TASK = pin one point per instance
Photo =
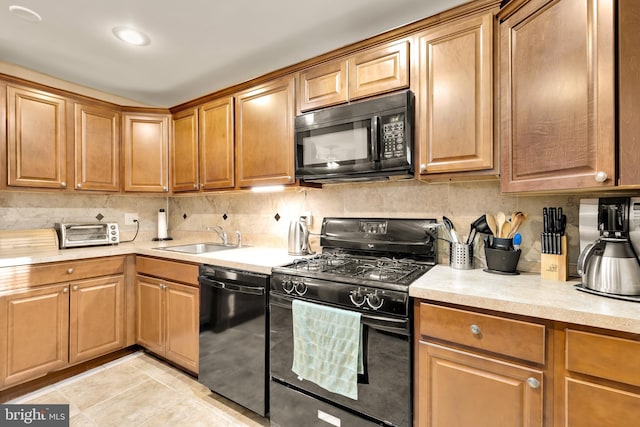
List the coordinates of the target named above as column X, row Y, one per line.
column 202, row 156
column 217, row 144
column 558, row 96
column 36, row 138
column 323, row 85
column 97, row 148
column 370, row 72
column 378, row 70
column 146, row 146
column 455, row 96
column 629, row 91
column 184, row 151
column 265, row 134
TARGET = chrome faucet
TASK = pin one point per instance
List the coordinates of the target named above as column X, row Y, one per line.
column 220, row 232
column 239, row 235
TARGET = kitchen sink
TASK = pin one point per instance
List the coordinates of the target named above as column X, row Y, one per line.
column 198, row 248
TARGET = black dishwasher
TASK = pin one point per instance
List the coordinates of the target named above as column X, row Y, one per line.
column 233, row 335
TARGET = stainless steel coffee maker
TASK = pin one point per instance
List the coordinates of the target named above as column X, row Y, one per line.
column 609, row 239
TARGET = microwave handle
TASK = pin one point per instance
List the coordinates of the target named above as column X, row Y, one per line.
column 376, row 144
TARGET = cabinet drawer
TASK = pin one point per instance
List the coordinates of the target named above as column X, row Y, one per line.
column 616, row 359
column 508, row 337
column 40, row 274
column 170, row 270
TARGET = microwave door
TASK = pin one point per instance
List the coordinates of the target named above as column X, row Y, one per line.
column 337, row 149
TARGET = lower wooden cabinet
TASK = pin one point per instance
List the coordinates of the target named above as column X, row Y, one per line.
column 35, row 333
column 459, row 388
column 167, row 322
column 47, row 328
column 602, row 380
column 478, row 370
column 96, row 317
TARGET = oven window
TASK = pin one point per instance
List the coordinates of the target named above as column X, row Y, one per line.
column 336, row 145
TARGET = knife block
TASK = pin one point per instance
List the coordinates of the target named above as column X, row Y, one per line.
column 555, row 267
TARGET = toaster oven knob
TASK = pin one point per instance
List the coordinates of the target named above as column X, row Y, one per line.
column 357, row 298
column 301, row 288
column 374, row 301
column 287, row 286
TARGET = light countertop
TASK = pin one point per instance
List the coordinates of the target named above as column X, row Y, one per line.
column 526, row 294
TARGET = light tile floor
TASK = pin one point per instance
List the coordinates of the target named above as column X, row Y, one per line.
column 139, row 390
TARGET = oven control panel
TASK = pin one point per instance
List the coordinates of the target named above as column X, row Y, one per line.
column 349, row 296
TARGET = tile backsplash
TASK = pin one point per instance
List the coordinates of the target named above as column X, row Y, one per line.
column 263, row 218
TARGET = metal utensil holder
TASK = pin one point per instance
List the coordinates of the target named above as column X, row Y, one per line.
column 461, row 256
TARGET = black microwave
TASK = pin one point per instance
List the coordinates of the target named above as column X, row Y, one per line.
column 359, row 141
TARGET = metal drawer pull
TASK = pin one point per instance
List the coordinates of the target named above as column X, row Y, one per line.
column 475, row 330
column 533, row 383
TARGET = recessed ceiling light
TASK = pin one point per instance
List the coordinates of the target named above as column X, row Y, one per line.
column 131, row 36
column 24, row 13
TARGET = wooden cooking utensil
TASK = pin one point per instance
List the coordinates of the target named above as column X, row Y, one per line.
column 500, row 220
column 505, row 232
column 491, row 222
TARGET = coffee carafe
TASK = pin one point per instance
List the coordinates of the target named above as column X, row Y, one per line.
column 610, row 264
column 299, row 238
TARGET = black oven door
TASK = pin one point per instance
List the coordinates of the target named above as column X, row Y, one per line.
column 384, row 390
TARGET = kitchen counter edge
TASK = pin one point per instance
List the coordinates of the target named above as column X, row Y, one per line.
column 527, row 295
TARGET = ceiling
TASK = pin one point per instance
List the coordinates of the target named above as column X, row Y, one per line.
column 197, row 46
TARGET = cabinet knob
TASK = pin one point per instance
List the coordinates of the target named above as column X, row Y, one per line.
column 63, row 184
column 195, row 186
column 165, row 188
column 533, row 382
column 79, row 185
column 163, row 286
column 475, row 330
column 65, row 290
column 601, row 176
column 423, row 167
column 75, row 287
column 69, row 270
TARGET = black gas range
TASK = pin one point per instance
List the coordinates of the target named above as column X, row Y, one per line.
column 366, row 266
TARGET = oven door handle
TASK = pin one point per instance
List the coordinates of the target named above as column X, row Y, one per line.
column 388, row 324
column 251, row 290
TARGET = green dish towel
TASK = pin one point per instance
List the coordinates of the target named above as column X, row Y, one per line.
column 327, row 347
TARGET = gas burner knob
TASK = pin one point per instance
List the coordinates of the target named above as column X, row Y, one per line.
column 374, row 301
column 300, row 287
column 357, row 298
column 287, row 286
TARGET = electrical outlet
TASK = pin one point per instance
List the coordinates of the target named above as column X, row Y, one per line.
column 307, row 216
column 129, row 218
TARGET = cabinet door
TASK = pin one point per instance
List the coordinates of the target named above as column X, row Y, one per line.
column 264, row 134
column 558, row 96
column 323, row 85
column 593, row 405
column 150, row 314
column 378, row 70
column 96, row 317
column 456, row 96
column 217, row 144
column 457, row 388
column 629, row 91
column 36, row 138
column 97, row 148
column 146, row 146
column 34, row 336
column 184, row 151
column 183, row 326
